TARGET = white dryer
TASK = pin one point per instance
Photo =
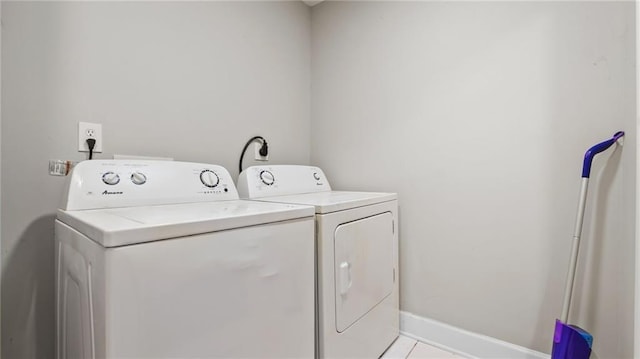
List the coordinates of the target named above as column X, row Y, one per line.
column 357, row 257
column 162, row 260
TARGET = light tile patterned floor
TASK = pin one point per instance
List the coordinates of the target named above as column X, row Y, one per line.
column 407, row 348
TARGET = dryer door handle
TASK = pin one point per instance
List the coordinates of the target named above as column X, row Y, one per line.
column 345, row 277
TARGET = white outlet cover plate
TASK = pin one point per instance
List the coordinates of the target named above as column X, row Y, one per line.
column 84, row 128
column 256, row 155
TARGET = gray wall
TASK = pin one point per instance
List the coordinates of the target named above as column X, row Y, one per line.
column 478, row 114
column 1, row 261
column 190, row 80
column 637, row 274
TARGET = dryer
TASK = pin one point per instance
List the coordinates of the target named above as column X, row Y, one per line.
column 357, row 257
column 162, row 260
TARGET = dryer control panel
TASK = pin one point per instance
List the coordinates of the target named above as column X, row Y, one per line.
column 124, row 183
column 280, row 180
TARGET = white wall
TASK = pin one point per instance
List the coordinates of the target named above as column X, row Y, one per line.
column 637, row 293
column 478, row 115
column 0, row 175
column 190, row 80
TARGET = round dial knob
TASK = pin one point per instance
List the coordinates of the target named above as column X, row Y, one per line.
column 209, row 178
column 267, row 178
column 138, row 178
column 110, row 178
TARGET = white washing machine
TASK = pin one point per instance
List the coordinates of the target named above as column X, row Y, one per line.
column 162, row 260
column 357, row 257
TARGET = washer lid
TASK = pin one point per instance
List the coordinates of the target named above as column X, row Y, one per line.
column 123, row 226
column 333, row 201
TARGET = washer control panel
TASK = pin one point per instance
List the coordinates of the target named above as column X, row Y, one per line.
column 267, row 181
column 122, row 183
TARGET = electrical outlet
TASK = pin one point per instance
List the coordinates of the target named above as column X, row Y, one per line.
column 256, row 149
column 89, row 130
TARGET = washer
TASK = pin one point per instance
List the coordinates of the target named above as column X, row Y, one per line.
column 357, row 257
column 162, row 260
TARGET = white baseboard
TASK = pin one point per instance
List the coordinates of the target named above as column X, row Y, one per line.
column 461, row 341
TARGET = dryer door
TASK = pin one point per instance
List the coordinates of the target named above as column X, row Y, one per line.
column 363, row 266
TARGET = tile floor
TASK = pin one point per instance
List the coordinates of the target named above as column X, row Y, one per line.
column 407, row 348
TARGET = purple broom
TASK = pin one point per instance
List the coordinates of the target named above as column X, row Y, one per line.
column 571, row 341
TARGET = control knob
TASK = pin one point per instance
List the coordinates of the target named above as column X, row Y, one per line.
column 138, row 178
column 110, row 178
column 209, row 178
column 267, row 178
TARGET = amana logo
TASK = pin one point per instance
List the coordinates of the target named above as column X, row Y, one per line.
column 107, row 192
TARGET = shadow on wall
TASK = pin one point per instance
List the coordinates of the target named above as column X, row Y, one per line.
column 29, row 273
column 593, row 262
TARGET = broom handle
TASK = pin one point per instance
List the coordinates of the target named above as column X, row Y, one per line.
column 575, row 244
